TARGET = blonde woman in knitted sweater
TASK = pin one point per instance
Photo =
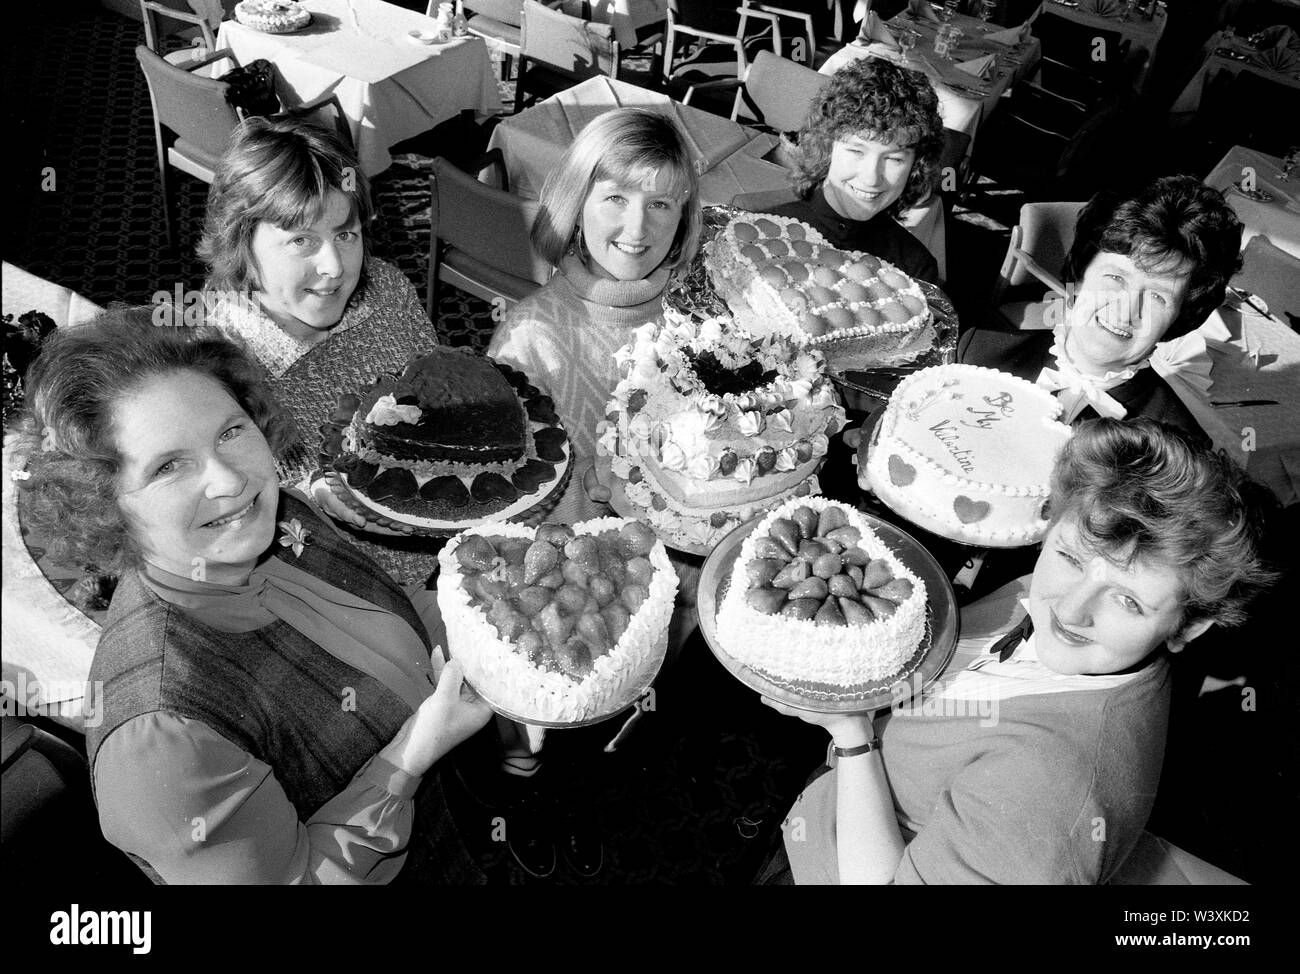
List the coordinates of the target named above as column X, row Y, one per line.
column 620, row 214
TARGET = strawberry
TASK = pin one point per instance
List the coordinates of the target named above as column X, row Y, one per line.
column 827, row 565
column 639, row 571
column 492, row 588
column 475, row 552
column 509, row 623
column 602, row 590
column 761, row 571
column 855, row 556
column 636, row 539
column 533, row 600
column 831, row 518
column 727, row 461
column 829, row 615
column 552, row 579
column 881, row 607
column 574, row 574
column 765, row 459
column 513, row 550
column 876, row 574
column 633, row 596
column 530, row 645
column 570, row 599
column 800, row 609
column 613, row 567
column 842, row 586
column 810, row 551
column 786, row 533
column 574, row 659
column 855, row 574
column 806, row 518
column 899, row 590
column 556, row 534
column 847, row 535
column 592, row 628
column 554, row 625
column 810, row 588
column 769, row 548
column 539, row 559
column 766, row 600
column 513, row 576
column 586, row 552
column 718, row 519
column 855, row 613
column 791, row 575
column 616, row 619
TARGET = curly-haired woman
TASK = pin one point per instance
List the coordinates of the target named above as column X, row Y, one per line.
column 868, row 151
column 1035, row 757
column 271, row 711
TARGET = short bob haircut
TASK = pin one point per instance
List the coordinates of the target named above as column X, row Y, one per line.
column 1176, row 224
column 876, row 100
column 278, row 171
column 1143, row 491
column 73, row 462
column 625, row 145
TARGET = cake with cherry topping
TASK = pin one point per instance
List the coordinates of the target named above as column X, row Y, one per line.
column 272, row 16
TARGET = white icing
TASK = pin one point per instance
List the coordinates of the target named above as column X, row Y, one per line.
column 386, row 412
column 798, row 649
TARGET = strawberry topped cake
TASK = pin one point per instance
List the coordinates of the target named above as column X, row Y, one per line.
column 272, row 16
column 559, row 624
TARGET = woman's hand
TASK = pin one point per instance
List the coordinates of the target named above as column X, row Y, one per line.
column 328, row 495
column 452, row 714
column 847, row 730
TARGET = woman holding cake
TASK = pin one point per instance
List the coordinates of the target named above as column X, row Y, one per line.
column 271, row 711
column 1035, row 757
column 869, row 150
column 1143, row 269
column 290, row 276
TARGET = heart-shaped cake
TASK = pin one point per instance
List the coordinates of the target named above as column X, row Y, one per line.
column 779, row 275
column 817, row 598
column 559, row 623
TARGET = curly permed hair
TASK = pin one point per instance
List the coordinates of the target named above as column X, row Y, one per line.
column 72, row 460
column 876, row 100
column 1146, row 491
column 1176, row 221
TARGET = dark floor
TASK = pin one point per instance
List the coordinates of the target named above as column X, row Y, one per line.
column 696, row 794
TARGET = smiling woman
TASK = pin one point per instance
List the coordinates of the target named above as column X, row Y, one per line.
column 227, row 653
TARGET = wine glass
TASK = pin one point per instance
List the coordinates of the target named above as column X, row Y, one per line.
column 1290, row 163
column 986, row 9
column 950, row 8
column 906, row 42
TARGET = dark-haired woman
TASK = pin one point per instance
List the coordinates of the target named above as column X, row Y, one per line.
column 1035, row 757
column 271, row 709
column 869, row 150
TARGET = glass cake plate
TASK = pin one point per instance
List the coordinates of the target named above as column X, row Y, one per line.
column 925, row 665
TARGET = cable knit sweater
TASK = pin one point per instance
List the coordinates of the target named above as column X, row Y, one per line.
column 564, row 337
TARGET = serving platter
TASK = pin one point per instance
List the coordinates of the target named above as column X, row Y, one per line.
column 922, row 669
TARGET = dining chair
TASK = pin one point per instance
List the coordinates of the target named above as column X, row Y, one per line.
column 775, row 92
column 181, row 12
column 557, row 51
column 1039, row 244
column 195, row 110
column 1081, row 65
column 720, row 37
column 479, row 240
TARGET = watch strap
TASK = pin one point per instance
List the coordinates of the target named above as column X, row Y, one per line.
column 852, row 752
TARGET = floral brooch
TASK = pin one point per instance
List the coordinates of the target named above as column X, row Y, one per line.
column 295, row 536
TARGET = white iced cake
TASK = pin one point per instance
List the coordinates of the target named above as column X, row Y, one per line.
column 559, row 623
column 272, row 16
column 780, row 276
column 817, row 598
column 967, row 452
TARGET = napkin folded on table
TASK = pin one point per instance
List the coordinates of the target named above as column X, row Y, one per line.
column 1188, row 359
column 919, row 8
column 980, row 67
column 1102, row 8
column 1279, row 35
column 1281, row 59
column 874, row 31
column 1011, row 36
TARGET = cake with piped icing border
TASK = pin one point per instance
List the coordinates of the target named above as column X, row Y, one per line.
column 967, row 453
column 778, row 275
column 513, row 683
column 272, row 16
column 709, row 427
column 802, row 651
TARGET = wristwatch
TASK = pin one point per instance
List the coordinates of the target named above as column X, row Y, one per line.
column 852, row 752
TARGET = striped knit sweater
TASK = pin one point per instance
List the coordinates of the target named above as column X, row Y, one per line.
column 564, row 338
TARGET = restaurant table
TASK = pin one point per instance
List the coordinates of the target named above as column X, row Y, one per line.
column 1254, row 359
column 1143, row 35
column 960, row 111
column 1189, row 102
column 729, row 157
column 390, row 87
column 1278, row 220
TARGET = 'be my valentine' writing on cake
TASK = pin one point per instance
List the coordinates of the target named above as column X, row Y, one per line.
column 967, row 452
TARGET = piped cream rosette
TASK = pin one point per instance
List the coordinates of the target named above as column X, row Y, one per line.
column 511, row 683
column 799, row 650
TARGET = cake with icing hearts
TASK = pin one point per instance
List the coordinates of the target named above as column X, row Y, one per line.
column 452, row 437
column 709, row 427
column 816, row 599
column 967, row 453
column 272, row 16
column 778, row 275
column 558, row 624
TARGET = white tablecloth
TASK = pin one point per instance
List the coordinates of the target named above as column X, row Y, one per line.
column 1279, row 220
column 728, row 155
column 390, row 88
column 960, row 112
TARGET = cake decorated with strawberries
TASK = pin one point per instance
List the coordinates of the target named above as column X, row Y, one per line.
column 453, row 437
column 816, row 600
column 967, row 453
column 780, row 276
column 709, row 427
column 559, row 624
column 272, row 16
